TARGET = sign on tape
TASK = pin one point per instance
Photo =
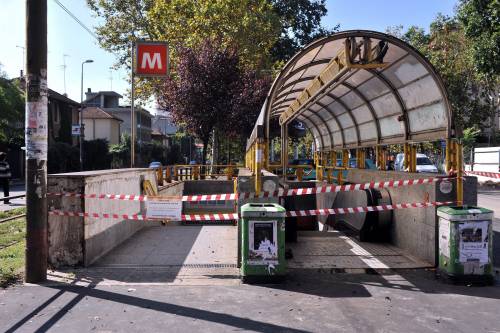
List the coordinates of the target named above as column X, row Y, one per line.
column 165, row 209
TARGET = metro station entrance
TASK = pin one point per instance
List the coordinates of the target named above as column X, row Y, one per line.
column 358, row 93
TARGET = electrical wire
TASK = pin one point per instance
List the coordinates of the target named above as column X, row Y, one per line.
column 76, row 19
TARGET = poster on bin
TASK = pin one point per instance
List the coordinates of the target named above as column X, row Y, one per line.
column 263, row 240
column 473, row 241
column 164, row 209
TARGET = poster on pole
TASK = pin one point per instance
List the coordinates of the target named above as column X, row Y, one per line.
column 151, row 59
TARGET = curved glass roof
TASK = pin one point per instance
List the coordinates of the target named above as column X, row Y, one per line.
column 359, row 89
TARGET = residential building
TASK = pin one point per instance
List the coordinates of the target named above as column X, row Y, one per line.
column 99, row 124
column 108, row 101
column 63, row 112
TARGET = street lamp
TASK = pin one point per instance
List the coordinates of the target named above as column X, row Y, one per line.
column 81, row 115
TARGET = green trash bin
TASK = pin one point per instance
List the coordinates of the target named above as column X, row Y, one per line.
column 466, row 244
column 262, row 242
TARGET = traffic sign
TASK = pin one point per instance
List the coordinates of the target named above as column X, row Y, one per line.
column 151, row 59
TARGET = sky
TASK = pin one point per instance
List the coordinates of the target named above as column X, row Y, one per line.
column 66, row 37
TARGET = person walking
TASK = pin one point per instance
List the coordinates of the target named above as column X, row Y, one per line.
column 4, row 175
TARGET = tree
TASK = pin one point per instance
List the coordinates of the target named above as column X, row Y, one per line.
column 251, row 26
column 202, row 93
column 300, row 22
column 12, row 108
column 481, row 22
column 211, row 91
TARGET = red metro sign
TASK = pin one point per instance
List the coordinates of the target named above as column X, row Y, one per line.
column 151, row 59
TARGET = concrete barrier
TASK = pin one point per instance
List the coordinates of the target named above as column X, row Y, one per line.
column 415, row 229
column 78, row 241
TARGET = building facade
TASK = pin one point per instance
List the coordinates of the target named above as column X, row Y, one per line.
column 99, row 124
column 108, row 101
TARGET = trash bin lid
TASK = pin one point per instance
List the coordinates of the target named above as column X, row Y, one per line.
column 262, row 210
column 464, row 212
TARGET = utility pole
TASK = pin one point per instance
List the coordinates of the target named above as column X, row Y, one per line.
column 132, row 111
column 36, row 141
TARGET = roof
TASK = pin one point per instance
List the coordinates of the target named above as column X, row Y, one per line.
column 127, row 109
column 55, row 95
column 97, row 113
column 359, row 89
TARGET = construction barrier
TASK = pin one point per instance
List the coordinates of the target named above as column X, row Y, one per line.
column 234, row 216
column 493, row 175
column 250, row 195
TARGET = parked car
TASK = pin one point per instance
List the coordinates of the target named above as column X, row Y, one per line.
column 424, row 164
column 155, row 165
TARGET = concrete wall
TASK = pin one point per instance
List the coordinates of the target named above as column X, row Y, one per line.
column 415, row 229
column 81, row 241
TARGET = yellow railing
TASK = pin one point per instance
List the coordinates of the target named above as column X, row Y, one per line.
column 179, row 172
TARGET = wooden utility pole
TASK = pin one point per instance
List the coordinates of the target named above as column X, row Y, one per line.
column 36, row 141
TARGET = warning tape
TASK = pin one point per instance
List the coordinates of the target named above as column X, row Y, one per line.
column 484, row 174
column 138, row 197
column 234, row 216
column 140, row 217
column 335, row 211
column 250, row 195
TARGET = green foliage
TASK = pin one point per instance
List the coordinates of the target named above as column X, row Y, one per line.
column 120, row 152
column 93, row 148
column 12, row 247
column 251, row 26
column 62, row 157
column 300, row 22
column 12, row 108
column 481, row 22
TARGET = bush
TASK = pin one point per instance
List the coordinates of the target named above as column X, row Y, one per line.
column 62, row 157
column 96, row 155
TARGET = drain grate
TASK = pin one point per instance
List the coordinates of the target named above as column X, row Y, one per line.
column 194, row 266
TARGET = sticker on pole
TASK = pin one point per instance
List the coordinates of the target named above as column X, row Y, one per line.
column 164, row 209
column 151, row 59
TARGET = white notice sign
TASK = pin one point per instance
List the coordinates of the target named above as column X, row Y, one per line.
column 171, row 210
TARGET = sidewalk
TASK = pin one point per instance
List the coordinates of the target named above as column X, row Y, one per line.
column 16, row 187
column 309, row 301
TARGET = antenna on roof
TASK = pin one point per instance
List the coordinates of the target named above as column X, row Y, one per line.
column 63, row 66
column 111, row 78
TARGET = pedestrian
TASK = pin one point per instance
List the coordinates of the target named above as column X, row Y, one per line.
column 4, row 175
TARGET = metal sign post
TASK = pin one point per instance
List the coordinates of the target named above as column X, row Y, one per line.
column 132, row 113
column 149, row 59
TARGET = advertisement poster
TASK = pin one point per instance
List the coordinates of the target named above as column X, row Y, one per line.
column 473, row 241
column 263, row 242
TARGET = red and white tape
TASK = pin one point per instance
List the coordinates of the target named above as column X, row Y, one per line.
column 234, row 216
column 335, row 211
column 249, row 195
column 139, row 217
column 494, row 175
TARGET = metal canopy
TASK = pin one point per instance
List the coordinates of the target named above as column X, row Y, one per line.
column 401, row 100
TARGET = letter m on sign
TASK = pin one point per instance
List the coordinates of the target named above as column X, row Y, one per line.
column 151, row 59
